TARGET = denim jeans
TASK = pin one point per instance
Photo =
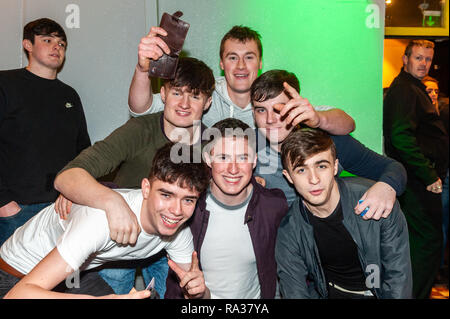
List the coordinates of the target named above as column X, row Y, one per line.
column 9, row 224
column 122, row 279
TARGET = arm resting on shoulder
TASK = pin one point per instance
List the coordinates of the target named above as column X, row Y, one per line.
column 389, row 174
column 80, row 187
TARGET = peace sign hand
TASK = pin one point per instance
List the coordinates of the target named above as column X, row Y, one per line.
column 298, row 109
column 191, row 278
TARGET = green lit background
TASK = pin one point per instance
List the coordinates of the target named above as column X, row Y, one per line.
column 326, row 43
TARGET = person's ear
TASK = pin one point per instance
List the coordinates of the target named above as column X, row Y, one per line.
column 221, row 65
column 27, row 45
column 405, row 60
column 207, row 158
column 163, row 94
column 288, row 177
column 145, row 187
column 336, row 166
column 255, row 160
column 207, row 104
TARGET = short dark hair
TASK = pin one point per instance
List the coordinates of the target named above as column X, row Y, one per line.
column 194, row 74
column 418, row 43
column 43, row 26
column 231, row 127
column 187, row 174
column 303, row 143
column 230, row 123
column 270, row 84
column 242, row 34
column 428, row 78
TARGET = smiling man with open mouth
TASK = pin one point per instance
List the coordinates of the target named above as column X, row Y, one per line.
column 235, row 222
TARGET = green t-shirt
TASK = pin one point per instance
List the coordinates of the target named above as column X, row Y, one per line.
column 131, row 147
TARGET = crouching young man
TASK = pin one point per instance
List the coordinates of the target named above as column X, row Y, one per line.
column 235, row 223
column 323, row 249
column 47, row 249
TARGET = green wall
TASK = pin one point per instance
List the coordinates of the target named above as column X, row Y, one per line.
column 329, row 46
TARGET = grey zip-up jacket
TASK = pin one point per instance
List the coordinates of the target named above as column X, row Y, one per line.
column 383, row 249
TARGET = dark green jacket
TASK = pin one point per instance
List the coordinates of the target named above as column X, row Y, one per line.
column 382, row 245
column 130, row 148
column 414, row 134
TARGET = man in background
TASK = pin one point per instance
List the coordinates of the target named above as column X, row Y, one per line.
column 415, row 136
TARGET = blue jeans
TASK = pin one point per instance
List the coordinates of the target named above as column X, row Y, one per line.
column 122, row 280
column 9, row 224
column 445, row 214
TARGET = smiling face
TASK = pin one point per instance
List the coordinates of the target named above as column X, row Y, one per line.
column 166, row 206
column 241, row 63
column 419, row 62
column 232, row 162
column 314, row 181
column 269, row 121
column 182, row 107
column 47, row 51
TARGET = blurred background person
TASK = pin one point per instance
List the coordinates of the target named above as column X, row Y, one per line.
column 441, row 105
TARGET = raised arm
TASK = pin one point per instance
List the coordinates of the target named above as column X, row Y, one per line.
column 336, row 121
column 299, row 111
column 151, row 47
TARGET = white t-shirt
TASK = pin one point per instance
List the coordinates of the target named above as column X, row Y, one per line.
column 83, row 239
column 227, row 256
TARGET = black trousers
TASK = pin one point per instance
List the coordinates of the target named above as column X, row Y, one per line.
column 423, row 212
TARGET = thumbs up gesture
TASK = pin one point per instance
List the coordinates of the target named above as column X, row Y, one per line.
column 191, row 278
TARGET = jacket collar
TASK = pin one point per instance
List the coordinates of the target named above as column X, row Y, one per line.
column 409, row 78
column 348, row 201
